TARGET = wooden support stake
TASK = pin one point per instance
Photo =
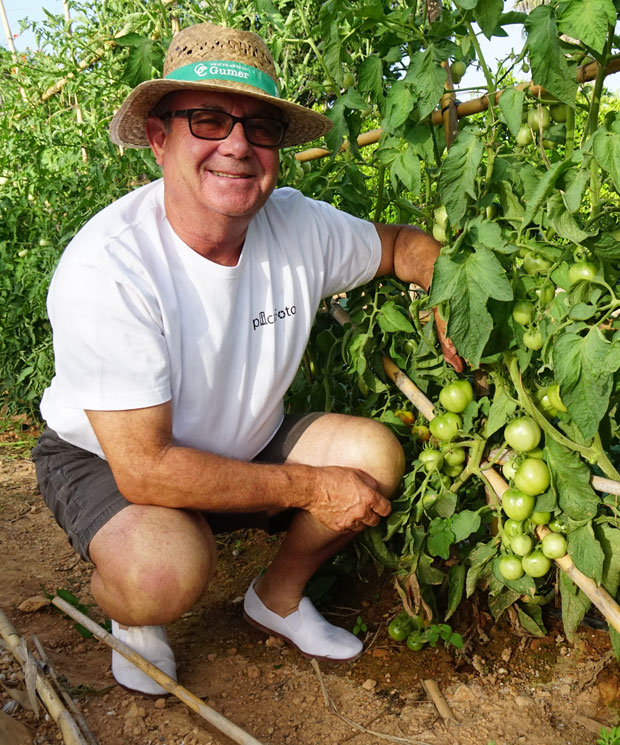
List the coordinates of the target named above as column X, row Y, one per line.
column 71, row 735
column 187, row 697
column 442, row 706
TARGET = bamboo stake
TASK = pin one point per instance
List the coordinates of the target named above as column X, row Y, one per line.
column 71, row 735
column 598, row 595
column 10, row 43
column 195, row 704
column 437, row 697
column 78, row 109
column 585, row 74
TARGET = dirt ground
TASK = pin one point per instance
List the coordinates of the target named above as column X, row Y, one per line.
column 503, row 689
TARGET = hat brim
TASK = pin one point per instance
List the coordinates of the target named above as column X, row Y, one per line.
column 127, row 127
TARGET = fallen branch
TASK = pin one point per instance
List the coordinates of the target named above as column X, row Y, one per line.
column 331, row 706
column 71, row 735
column 187, row 697
column 71, row 705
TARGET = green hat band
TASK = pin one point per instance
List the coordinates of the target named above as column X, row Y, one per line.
column 222, row 70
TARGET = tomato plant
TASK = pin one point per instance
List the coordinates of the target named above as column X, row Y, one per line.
column 532, row 477
column 511, row 567
column 553, row 545
column 536, row 564
column 517, row 505
column 445, row 426
column 455, row 396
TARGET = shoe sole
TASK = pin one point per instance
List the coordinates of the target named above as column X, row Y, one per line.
column 271, row 632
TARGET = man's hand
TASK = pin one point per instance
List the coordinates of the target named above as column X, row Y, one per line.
column 346, row 499
column 450, row 354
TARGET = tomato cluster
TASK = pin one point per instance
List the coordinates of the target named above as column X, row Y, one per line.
column 529, row 478
column 409, row 629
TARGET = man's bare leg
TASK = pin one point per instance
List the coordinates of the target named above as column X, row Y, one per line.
column 331, row 440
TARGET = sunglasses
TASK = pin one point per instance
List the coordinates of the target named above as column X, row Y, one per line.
column 212, row 124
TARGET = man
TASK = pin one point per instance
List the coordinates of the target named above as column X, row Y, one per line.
column 180, row 316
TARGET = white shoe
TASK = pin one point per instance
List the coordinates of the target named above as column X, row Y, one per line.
column 305, row 629
column 152, row 643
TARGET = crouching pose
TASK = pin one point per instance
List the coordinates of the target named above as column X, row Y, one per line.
column 180, row 315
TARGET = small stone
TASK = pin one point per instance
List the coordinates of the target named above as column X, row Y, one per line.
column 380, row 652
column 274, row 641
column 231, row 651
column 523, row 701
column 506, row 654
column 160, row 703
column 252, row 671
column 563, row 651
column 369, row 684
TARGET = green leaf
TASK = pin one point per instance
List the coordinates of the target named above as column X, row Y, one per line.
column 511, row 106
column 530, row 617
column 464, row 523
column 440, row 538
column 428, row 79
column 458, row 175
column 370, row 76
column 577, row 179
column 427, row 573
column 390, row 318
column 606, row 149
column 467, row 281
column 478, row 559
column 588, row 21
column 498, row 602
column 399, row 103
column 487, row 14
column 549, row 66
column 545, row 186
column 609, row 540
column 584, row 367
column 406, row 168
column 140, row 62
column 563, row 221
column 586, row 552
column 571, row 479
column 502, row 408
column 456, row 587
column 575, row 604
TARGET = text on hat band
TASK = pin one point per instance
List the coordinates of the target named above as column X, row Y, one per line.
column 222, row 70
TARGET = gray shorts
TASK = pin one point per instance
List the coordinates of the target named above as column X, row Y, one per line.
column 80, row 490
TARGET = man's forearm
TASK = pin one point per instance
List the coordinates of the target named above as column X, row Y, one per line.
column 194, row 479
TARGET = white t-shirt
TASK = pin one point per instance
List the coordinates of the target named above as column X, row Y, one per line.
column 139, row 318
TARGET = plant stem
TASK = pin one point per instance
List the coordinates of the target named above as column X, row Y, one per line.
column 598, row 88
column 487, row 73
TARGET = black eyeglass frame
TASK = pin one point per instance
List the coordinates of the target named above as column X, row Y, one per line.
column 188, row 114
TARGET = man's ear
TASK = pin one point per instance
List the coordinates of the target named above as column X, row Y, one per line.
column 156, row 133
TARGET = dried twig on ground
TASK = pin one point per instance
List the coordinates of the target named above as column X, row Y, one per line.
column 442, row 706
column 332, row 707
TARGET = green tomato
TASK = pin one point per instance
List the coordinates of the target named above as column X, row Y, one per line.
column 456, row 396
column 559, row 112
column 513, row 527
column 431, row 459
column 453, row 455
column 545, row 402
column 545, row 292
column 532, row 339
column 348, row 80
column 536, row 564
column 523, row 312
column 453, row 471
column 557, row 525
column 509, row 469
column 510, row 567
column 524, row 136
column 445, row 427
column 441, row 215
column 414, row 642
column 539, row 118
column 521, row 544
column 522, row 434
column 400, row 627
column 582, row 271
column 532, row 477
column 554, row 545
column 540, row 518
column 517, row 505
column 533, row 263
column 457, row 70
column 439, row 233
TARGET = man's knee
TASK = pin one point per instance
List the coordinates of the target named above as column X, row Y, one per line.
column 356, row 442
column 158, row 561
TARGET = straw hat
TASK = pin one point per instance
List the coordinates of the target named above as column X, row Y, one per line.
column 205, row 57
